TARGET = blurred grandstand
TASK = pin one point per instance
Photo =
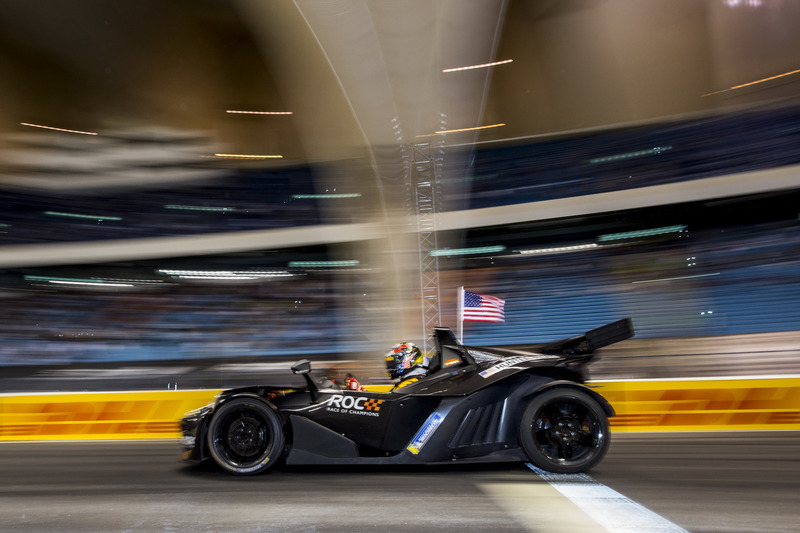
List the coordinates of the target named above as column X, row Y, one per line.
column 46, row 202
column 710, row 275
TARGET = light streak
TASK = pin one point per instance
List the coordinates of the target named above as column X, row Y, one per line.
column 247, row 156
column 321, row 196
column 573, row 248
column 200, row 208
column 444, row 132
column 324, row 264
column 628, row 155
column 677, row 278
column 753, row 83
column 642, row 233
column 90, row 283
column 236, row 112
column 77, row 215
column 226, row 274
column 57, row 129
column 483, row 65
column 467, row 251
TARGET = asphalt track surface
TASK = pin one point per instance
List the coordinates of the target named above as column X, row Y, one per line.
column 698, row 482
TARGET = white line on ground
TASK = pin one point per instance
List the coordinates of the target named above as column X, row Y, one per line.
column 539, row 507
column 610, row 509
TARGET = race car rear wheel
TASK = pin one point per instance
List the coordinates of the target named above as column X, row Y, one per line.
column 564, row 430
column 245, row 436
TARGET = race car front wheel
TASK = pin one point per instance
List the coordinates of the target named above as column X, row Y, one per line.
column 245, row 436
column 564, row 430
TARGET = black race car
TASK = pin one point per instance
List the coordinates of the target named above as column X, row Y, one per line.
column 475, row 405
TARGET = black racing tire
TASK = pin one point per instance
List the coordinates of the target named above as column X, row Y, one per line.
column 564, row 430
column 245, row 436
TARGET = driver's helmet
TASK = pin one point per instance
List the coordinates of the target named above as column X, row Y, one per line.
column 403, row 358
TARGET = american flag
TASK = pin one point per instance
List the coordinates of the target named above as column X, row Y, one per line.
column 481, row 308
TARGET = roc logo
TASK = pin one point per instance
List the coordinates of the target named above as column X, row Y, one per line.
column 353, row 405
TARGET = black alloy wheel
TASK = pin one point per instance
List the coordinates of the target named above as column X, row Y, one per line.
column 564, row 430
column 245, row 436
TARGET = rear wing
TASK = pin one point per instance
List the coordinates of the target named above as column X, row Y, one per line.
column 591, row 340
column 449, row 349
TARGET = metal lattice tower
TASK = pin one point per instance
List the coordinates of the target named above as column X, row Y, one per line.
column 425, row 171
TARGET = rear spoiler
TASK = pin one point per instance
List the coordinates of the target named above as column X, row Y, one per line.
column 591, row 340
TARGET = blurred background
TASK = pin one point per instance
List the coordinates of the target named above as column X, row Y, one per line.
column 195, row 193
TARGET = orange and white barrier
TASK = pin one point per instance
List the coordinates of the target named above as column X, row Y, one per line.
column 645, row 405
column 756, row 403
column 101, row 415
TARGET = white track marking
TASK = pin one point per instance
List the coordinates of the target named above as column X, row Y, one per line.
column 610, row 509
column 539, row 507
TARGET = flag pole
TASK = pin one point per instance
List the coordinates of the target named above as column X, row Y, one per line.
column 461, row 314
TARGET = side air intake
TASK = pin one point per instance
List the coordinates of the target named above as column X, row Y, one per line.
column 482, row 425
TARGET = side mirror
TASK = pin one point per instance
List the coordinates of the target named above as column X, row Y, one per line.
column 302, row 366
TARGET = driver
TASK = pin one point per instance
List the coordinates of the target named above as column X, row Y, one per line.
column 406, row 362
